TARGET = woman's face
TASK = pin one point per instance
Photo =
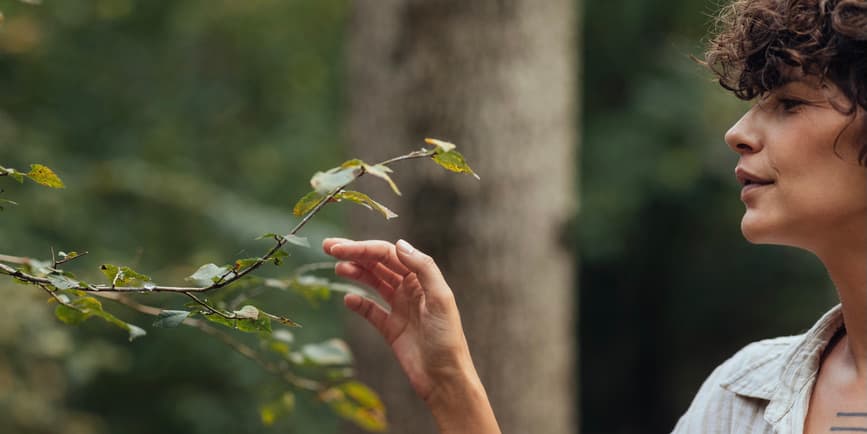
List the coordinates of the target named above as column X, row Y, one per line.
column 799, row 188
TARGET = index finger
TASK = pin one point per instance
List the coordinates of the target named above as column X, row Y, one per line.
column 368, row 252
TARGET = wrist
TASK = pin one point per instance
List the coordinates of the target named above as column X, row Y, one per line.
column 460, row 404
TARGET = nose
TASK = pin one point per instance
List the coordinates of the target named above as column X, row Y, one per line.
column 743, row 137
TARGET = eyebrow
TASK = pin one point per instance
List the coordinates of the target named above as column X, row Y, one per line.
column 800, row 85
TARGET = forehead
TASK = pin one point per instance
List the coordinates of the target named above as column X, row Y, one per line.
column 795, row 77
column 808, row 85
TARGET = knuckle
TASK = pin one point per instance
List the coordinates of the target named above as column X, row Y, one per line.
column 427, row 261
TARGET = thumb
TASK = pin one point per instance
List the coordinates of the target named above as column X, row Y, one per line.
column 424, row 267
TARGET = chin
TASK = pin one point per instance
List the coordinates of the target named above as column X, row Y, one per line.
column 762, row 231
column 756, row 231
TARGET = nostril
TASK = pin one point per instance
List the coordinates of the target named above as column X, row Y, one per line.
column 743, row 147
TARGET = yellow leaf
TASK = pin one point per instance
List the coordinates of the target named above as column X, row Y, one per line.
column 365, row 201
column 45, row 176
column 382, row 171
column 307, row 203
column 453, row 161
column 358, row 403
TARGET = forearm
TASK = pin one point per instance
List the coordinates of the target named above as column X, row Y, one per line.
column 461, row 406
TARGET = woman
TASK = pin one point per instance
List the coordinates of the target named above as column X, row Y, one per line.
column 802, row 155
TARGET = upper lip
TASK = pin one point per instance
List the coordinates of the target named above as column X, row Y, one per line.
column 746, row 177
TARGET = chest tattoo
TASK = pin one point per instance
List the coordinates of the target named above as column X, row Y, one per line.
column 850, row 422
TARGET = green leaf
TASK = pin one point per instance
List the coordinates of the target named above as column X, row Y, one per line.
column 441, row 145
column 365, row 201
column 307, row 203
column 261, row 325
column 277, row 257
column 69, row 315
column 288, row 238
column 171, row 318
column 381, row 171
column 314, row 289
column 453, row 161
column 208, row 274
column 338, row 177
column 274, row 410
column 330, row 352
column 82, row 308
column 44, row 176
column 241, row 264
column 123, row 276
column 246, row 320
column 60, row 281
column 38, row 268
column 296, row 240
column 358, row 403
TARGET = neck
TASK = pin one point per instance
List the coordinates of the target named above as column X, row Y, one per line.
column 847, row 268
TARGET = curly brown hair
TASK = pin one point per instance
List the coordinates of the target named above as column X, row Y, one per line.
column 759, row 43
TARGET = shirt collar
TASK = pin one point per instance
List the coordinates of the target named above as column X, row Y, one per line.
column 779, row 375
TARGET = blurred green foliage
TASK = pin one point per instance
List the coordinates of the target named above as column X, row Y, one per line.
column 182, row 130
column 669, row 287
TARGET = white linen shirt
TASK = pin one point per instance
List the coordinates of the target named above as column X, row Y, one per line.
column 765, row 388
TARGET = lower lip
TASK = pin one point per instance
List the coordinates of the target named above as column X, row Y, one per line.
column 752, row 187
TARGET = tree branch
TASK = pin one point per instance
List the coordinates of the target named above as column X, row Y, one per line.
column 227, row 339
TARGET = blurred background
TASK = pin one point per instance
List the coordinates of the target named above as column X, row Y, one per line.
column 185, row 129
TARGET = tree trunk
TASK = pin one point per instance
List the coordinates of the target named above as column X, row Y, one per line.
column 498, row 78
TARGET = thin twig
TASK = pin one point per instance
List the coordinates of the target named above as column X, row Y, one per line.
column 68, row 258
column 230, row 276
column 225, row 338
column 209, row 307
column 15, row 259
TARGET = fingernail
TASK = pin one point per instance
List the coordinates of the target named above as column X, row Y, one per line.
column 405, row 247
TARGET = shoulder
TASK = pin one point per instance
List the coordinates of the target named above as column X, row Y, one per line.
column 749, row 373
column 757, row 356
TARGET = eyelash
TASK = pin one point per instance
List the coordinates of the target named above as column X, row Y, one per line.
column 789, row 104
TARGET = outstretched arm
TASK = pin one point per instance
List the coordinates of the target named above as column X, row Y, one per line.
column 422, row 326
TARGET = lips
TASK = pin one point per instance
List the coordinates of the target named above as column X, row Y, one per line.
column 747, row 178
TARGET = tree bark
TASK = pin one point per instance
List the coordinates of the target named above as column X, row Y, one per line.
column 498, row 78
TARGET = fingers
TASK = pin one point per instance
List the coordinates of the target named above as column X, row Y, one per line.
column 328, row 243
column 368, row 310
column 424, row 267
column 382, row 280
column 365, row 252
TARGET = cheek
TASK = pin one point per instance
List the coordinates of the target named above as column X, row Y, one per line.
column 832, row 194
column 800, row 207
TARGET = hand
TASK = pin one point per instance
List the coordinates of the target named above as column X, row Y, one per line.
column 423, row 326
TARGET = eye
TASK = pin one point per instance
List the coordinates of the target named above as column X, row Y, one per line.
column 790, row 104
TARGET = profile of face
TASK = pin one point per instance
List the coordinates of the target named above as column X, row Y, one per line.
column 798, row 164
